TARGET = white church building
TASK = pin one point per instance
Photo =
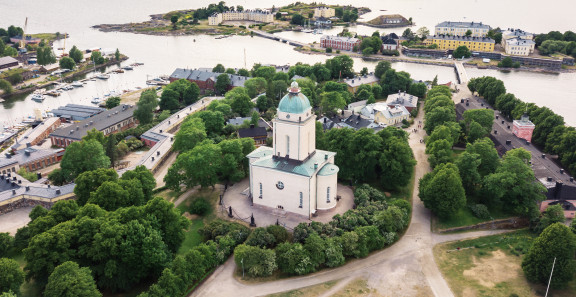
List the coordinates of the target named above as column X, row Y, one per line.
column 293, row 175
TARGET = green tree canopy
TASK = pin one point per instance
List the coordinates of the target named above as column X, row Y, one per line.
column 222, row 83
column 83, row 156
column 76, row 54
column 442, row 191
column 70, row 280
column 12, row 276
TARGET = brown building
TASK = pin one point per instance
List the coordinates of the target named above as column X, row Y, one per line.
column 110, row 121
column 39, row 133
column 30, row 158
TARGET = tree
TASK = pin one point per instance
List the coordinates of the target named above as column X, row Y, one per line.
column 553, row 214
column 89, row 181
column 255, row 86
column 6, row 243
column 297, row 19
column 169, row 100
column 468, row 33
column 442, row 191
column 468, row 164
column 112, row 102
column 67, row 63
column 83, row 156
column 292, row 258
column 423, row 32
column 341, row 66
column 117, row 55
column 213, row 121
column 145, row 177
column 555, row 242
column 240, row 101
column 331, row 101
column 222, row 83
column 145, row 107
column 6, row 86
column 489, row 159
column 71, row 280
column 260, row 238
column 97, row 58
column 12, row 276
column 408, row 34
column 174, row 20
column 438, row 116
column 440, row 152
column 256, row 261
column 76, row 54
column 506, row 62
column 219, row 68
column 462, row 52
column 397, row 162
column 418, row 90
column 45, row 55
column 199, row 166
column 435, row 81
column 192, row 132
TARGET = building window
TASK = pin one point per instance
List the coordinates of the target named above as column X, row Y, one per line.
column 287, row 145
column 328, row 195
column 280, row 185
column 301, row 199
column 260, row 191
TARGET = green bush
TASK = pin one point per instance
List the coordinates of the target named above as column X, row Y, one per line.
column 328, row 50
column 480, row 211
column 200, row 206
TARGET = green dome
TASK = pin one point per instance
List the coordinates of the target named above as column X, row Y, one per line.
column 294, row 102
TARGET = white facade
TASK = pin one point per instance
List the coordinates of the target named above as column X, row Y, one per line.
column 519, row 47
column 293, row 175
column 324, row 12
column 247, row 15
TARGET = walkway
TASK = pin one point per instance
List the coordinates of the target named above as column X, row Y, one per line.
column 406, row 268
column 461, row 72
column 278, row 38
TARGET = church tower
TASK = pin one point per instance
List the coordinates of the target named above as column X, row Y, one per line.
column 294, row 126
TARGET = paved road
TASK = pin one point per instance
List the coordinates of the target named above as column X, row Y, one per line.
column 407, row 268
column 14, row 220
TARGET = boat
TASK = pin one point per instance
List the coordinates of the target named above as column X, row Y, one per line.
column 77, row 84
column 40, row 91
column 128, row 68
column 119, row 70
column 96, row 100
column 103, row 76
column 38, row 97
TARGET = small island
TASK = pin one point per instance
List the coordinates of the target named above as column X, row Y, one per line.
column 219, row 19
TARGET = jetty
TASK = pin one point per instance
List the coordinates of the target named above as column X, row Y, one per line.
column 278, row 38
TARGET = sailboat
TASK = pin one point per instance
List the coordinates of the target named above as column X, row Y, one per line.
column 307, row 28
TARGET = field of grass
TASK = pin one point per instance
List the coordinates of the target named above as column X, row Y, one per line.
column 192, row 237
column 491, row 266
column 465, row 217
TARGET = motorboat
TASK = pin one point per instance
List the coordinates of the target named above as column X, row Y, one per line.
column 38, row 97
column 128, row 68
column 96, row 100
column 77, row 84
column 103, row 76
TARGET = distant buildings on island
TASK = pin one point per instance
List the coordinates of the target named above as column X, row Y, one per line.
column 246, row 15
column 324, row 12
column 339, row 42
column 461, row 29
column 452, row 42
column 205, row 79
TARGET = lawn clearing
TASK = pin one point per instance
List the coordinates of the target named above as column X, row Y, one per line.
column 491, row 266
column 465, row 217
column 192, row 237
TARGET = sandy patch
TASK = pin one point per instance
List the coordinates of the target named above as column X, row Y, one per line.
column 490, row 271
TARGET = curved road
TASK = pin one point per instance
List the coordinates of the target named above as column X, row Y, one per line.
column 406, row 268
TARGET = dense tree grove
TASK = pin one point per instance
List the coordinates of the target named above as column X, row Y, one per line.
column 71, row 280
column 551, row 132
column 374, row 224
column 556, row 42
column 363, row 154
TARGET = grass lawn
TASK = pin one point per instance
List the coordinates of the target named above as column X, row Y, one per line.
column 192, row 237
column 491, row 266
column 168, row 195
column 465, row 217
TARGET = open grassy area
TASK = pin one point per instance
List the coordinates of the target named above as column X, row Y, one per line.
column 465, row 217
column 192, row 237
column 491, row 266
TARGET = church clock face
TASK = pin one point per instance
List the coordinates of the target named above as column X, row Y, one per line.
column 280, row 185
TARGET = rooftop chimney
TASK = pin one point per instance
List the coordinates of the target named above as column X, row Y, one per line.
column 315, row 165
column 58, row 191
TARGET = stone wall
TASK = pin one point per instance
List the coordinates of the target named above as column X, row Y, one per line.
column 511, row 223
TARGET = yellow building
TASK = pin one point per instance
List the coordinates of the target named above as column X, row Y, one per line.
column 446, row 42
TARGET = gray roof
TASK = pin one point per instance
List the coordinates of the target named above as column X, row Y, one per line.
column 204, row 75
column 464, row 25
column 153, row 136
column 12, row 182
column 361, row 80
column 38, row 190
column 32, row 134
column 402, row 99
column 28, row 155
column 397, row 111
column 237, row 121
column 518, row 41
column 462, row 38
column 99, row 122
column 516, row 33
column 7, row 60
column 76, row 112
column 340, row 38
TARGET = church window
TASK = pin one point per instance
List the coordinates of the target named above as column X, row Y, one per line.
column 260, row 191
column 301, row 200
column 328, row 195
column 280, row 185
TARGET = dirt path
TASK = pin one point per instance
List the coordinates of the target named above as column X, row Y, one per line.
column 406, row 268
